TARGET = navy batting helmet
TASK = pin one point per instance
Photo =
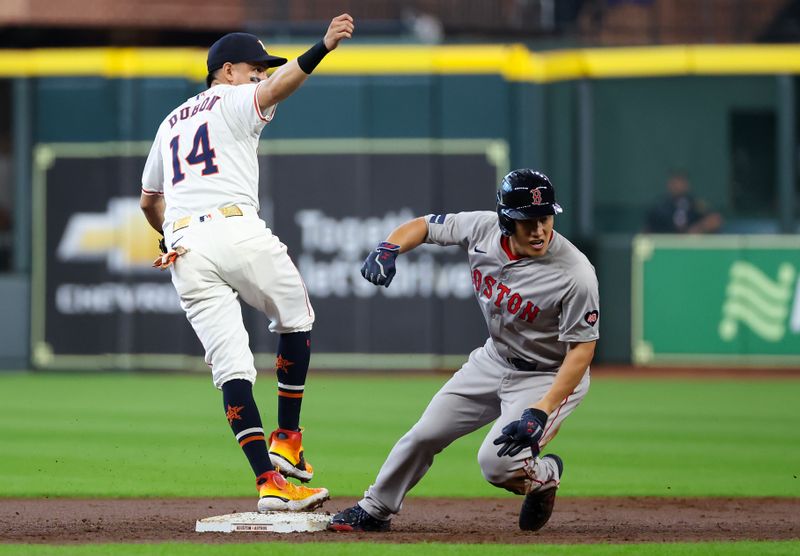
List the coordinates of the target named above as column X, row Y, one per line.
column 524, row 194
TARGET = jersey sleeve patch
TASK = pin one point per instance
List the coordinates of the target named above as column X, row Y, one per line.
column 437, row 218
column 592, row 317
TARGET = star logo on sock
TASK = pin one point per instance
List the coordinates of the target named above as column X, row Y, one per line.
column 282, row 364
column 232, row 413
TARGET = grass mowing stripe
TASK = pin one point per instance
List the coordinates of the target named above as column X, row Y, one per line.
column 367, row 549
column 165, row 435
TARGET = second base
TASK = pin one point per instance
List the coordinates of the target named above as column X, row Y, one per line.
column 272, row 522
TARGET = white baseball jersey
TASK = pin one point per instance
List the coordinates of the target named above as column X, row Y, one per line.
column 204, row 154
column 203, row 159
column 533, row 306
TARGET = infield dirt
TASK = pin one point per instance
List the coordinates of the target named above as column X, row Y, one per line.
column 575, row 520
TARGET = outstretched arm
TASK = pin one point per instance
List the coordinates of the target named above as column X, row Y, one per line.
column 410, row 235
column 288, row 78
column 379, row 267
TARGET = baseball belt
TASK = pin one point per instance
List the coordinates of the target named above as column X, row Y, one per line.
column 227, row 212
column 529, row 366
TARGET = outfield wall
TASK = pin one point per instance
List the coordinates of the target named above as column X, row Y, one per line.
column 413, row 130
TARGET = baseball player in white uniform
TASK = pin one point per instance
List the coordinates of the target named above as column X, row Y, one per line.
column 200, row 189
column 539, row 296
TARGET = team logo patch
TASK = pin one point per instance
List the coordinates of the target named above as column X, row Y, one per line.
column 591, row 317
column 537, row 196
column 283, row 364
column 233, row 413
column 437, row 219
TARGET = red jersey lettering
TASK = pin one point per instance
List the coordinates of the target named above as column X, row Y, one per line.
column 487, row 285
column 477, row 278
column 490, row 282
column 529, row 312
column 502, row 291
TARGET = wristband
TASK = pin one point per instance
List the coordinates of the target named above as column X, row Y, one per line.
column 541, row 415
column 312, row 57
column 387, row 246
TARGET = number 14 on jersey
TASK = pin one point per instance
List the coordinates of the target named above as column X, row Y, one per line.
column 201, row 153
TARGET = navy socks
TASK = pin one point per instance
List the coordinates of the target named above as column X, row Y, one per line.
column 291, row 368
column 243, row 417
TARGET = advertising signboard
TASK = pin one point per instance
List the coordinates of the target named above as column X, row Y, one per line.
column 97, row 303
column 732, row 300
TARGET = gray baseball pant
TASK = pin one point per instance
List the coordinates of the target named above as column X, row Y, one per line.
column 486, row 388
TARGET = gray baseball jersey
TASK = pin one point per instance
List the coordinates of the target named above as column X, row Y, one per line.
column 533, row 306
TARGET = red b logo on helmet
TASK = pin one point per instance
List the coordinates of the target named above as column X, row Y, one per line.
column 537, row 196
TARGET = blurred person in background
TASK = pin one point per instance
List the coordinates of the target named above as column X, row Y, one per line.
column 200, row 191
column 680, row 212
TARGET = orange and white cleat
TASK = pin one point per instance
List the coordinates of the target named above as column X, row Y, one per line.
column 276, row 494
column 286, row 454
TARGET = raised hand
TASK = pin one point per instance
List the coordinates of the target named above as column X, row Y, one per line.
column 341, row 27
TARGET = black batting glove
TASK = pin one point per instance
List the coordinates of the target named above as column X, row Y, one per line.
column 379, row 267
column 162, row 245
column 521, row 434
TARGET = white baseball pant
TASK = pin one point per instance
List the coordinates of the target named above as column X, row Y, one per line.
column 228, row 258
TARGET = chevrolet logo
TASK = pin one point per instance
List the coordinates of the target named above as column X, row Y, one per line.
column 121, row 236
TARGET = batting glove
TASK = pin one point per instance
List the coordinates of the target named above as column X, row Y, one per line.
column 378, row 267
column 521, row 434
column 168, row 259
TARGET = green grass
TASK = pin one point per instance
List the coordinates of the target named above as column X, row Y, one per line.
column 368, row 549
column 153, row 435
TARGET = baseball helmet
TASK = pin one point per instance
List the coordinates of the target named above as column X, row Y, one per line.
column 524, row 194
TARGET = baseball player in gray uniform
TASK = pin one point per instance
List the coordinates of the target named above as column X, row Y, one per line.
column 200, row 190
column 539, row 296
